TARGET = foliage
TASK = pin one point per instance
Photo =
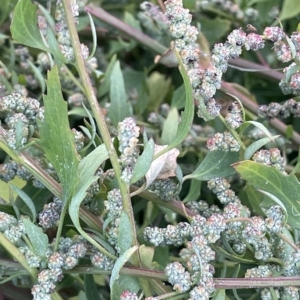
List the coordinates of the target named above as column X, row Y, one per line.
column 111, row 187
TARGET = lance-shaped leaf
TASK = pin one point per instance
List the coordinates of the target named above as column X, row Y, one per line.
column 284, row 187
column 119, row 108
column 57, row 140
column 215, row 164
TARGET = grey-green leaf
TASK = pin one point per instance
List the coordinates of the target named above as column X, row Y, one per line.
column 144, row 162
column 90, row 288
column 119, row 108
column 119, row 264
column 251, row 149
column 125, row 232
column 215, row 164
column 37, row 237
column 27, row 200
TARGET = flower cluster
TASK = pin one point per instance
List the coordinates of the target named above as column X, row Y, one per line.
column 128, row 134
column 234, row 117
column 154, row 21
column 21, row 114
column 66, row 258
column 206, row 82
column 270, row 157
column 223, row 141
column 286, row 49
column 221, row 187
column 12, row 228
column 276, row 110
column 114, row 206
column 63, row 35
column 50, row 214
column 166, row 189
column 230, row 7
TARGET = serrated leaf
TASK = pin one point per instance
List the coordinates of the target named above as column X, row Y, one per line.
column 24, row 27
column 290, row 8
column 86, row 176
column 125, row 232
column 119, row 264
column 251, row 149
column 144, row 162
column 215, row 164
column 170, row 127
column 57, row 140
column 90, row 288
column 284, row 187
column 27, row 200
column 37, row 237
column 120, row 108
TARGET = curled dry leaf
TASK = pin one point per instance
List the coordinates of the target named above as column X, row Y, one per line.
column 164, row 166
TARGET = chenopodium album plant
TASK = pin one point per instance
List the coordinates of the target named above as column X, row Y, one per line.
column 74, row 223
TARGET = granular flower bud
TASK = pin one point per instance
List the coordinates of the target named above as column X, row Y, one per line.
column 178, row 277
column 102, row 261
column 274, row 33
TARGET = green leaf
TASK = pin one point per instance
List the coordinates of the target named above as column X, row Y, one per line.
column 215, row 164
column 125, row 233
column 220, row 295
column 86, row 170
column 129, row 283
column 187, row 115
column 27, row 200
column 144, row 162
column 38, row 196
column 170, row 127
column 254, row 199
column 251, row 149
column 284, row 187
column 90, row 288
column 119, row 108
column 105, row 84
column 290, row 8
column 194, row 191
column 24, row 27
column 259, row 126
column 178, row 99
column 7, row 7
column 146, row 254
column 214, row 29
column 119, row 264
column 57, row 140
column 37, row 237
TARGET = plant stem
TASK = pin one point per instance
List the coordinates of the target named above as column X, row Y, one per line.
column 125, row 28
column 100, row 120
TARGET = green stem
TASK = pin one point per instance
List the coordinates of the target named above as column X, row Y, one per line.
column 100, row 120
column 125, row 28
column 60, row 225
